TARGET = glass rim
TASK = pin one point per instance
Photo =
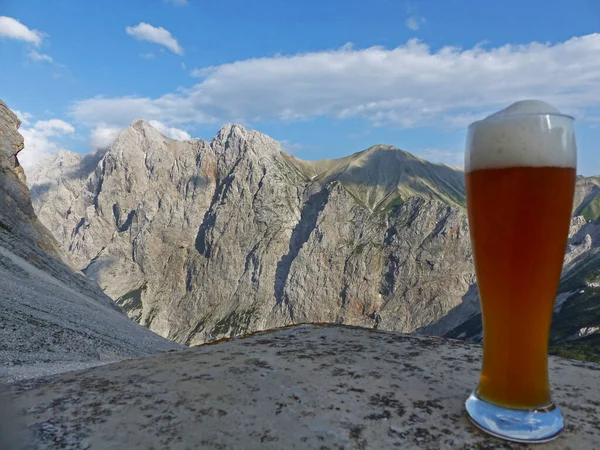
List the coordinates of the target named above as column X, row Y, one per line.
column 521, row 116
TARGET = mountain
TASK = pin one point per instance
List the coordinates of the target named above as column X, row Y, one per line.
column 200, row 240
column 381, row 175
column 52, row 318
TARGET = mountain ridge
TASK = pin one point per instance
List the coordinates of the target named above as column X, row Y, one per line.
column 263, row 239
column 244, row 221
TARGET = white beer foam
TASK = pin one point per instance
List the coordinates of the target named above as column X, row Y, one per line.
column 528, row 133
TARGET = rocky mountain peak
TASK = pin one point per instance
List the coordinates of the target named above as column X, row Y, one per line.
column 388, row 148
column 200, row 240
column 63, row 159
column 139, row 129
column 230, row 131
column 234, row 140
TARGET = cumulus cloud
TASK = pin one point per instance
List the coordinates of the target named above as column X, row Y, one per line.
column 157, row 35
column 174, row 133
column 35, row 56
column 407, row 86
column 39, row 141
column 198, row 73
column 13, row 29
column 102, row 136
column 23, row 116
column 414, row 22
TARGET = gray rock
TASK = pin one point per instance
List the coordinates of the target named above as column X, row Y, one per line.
column 199, row 240
column 308, row 387
column 586, row 331
column 52, row 318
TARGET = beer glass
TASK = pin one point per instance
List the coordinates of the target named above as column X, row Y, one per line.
column 520, row 180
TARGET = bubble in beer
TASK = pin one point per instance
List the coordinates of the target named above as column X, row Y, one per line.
column 529, row 133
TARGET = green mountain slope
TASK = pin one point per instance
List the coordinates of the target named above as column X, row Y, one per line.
column 382, row 176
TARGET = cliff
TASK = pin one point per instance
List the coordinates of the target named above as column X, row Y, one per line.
column 52, row 318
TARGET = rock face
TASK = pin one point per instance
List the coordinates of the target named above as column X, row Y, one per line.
column 198, row 240
column 51, row 318
column 308, row 387
column 16, row 212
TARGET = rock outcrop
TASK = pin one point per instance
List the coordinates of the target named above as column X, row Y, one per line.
column 309, row 387
column 199, row 240
column 52, row 318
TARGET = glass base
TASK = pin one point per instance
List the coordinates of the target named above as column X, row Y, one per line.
column 517, row 425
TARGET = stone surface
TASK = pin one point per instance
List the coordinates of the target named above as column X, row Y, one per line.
column 52, row 318
column 307, row 386
column 199, row 240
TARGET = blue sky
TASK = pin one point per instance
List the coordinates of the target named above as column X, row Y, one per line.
column 327, row 77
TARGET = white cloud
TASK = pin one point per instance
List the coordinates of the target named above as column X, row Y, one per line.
column 158, row 35
column 449, row 157
column 414, row 22
column 177, row 2
column 408, row 86
column 198, row 73
column 35, row 56
column 23, row 116
column 103, row 136
column 174, row 133
column 13, row 29
column 54, row 127
column 148, row 55
column 39, row 141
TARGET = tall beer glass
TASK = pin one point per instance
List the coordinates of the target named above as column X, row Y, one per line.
column 520, row 179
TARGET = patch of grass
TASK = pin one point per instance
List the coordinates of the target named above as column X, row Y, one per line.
column 580, row 310
column 584, row 349
column 5, row 227
column 587, row 272
column 592, row 209
column 457, row 198
column 394, row 203
column 132, row 300
column 235, row 323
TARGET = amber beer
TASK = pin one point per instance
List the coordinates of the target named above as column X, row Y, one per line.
column 519, row 220
column 520, row 180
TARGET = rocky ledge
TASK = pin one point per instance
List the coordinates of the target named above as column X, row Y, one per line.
column 308, row 386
